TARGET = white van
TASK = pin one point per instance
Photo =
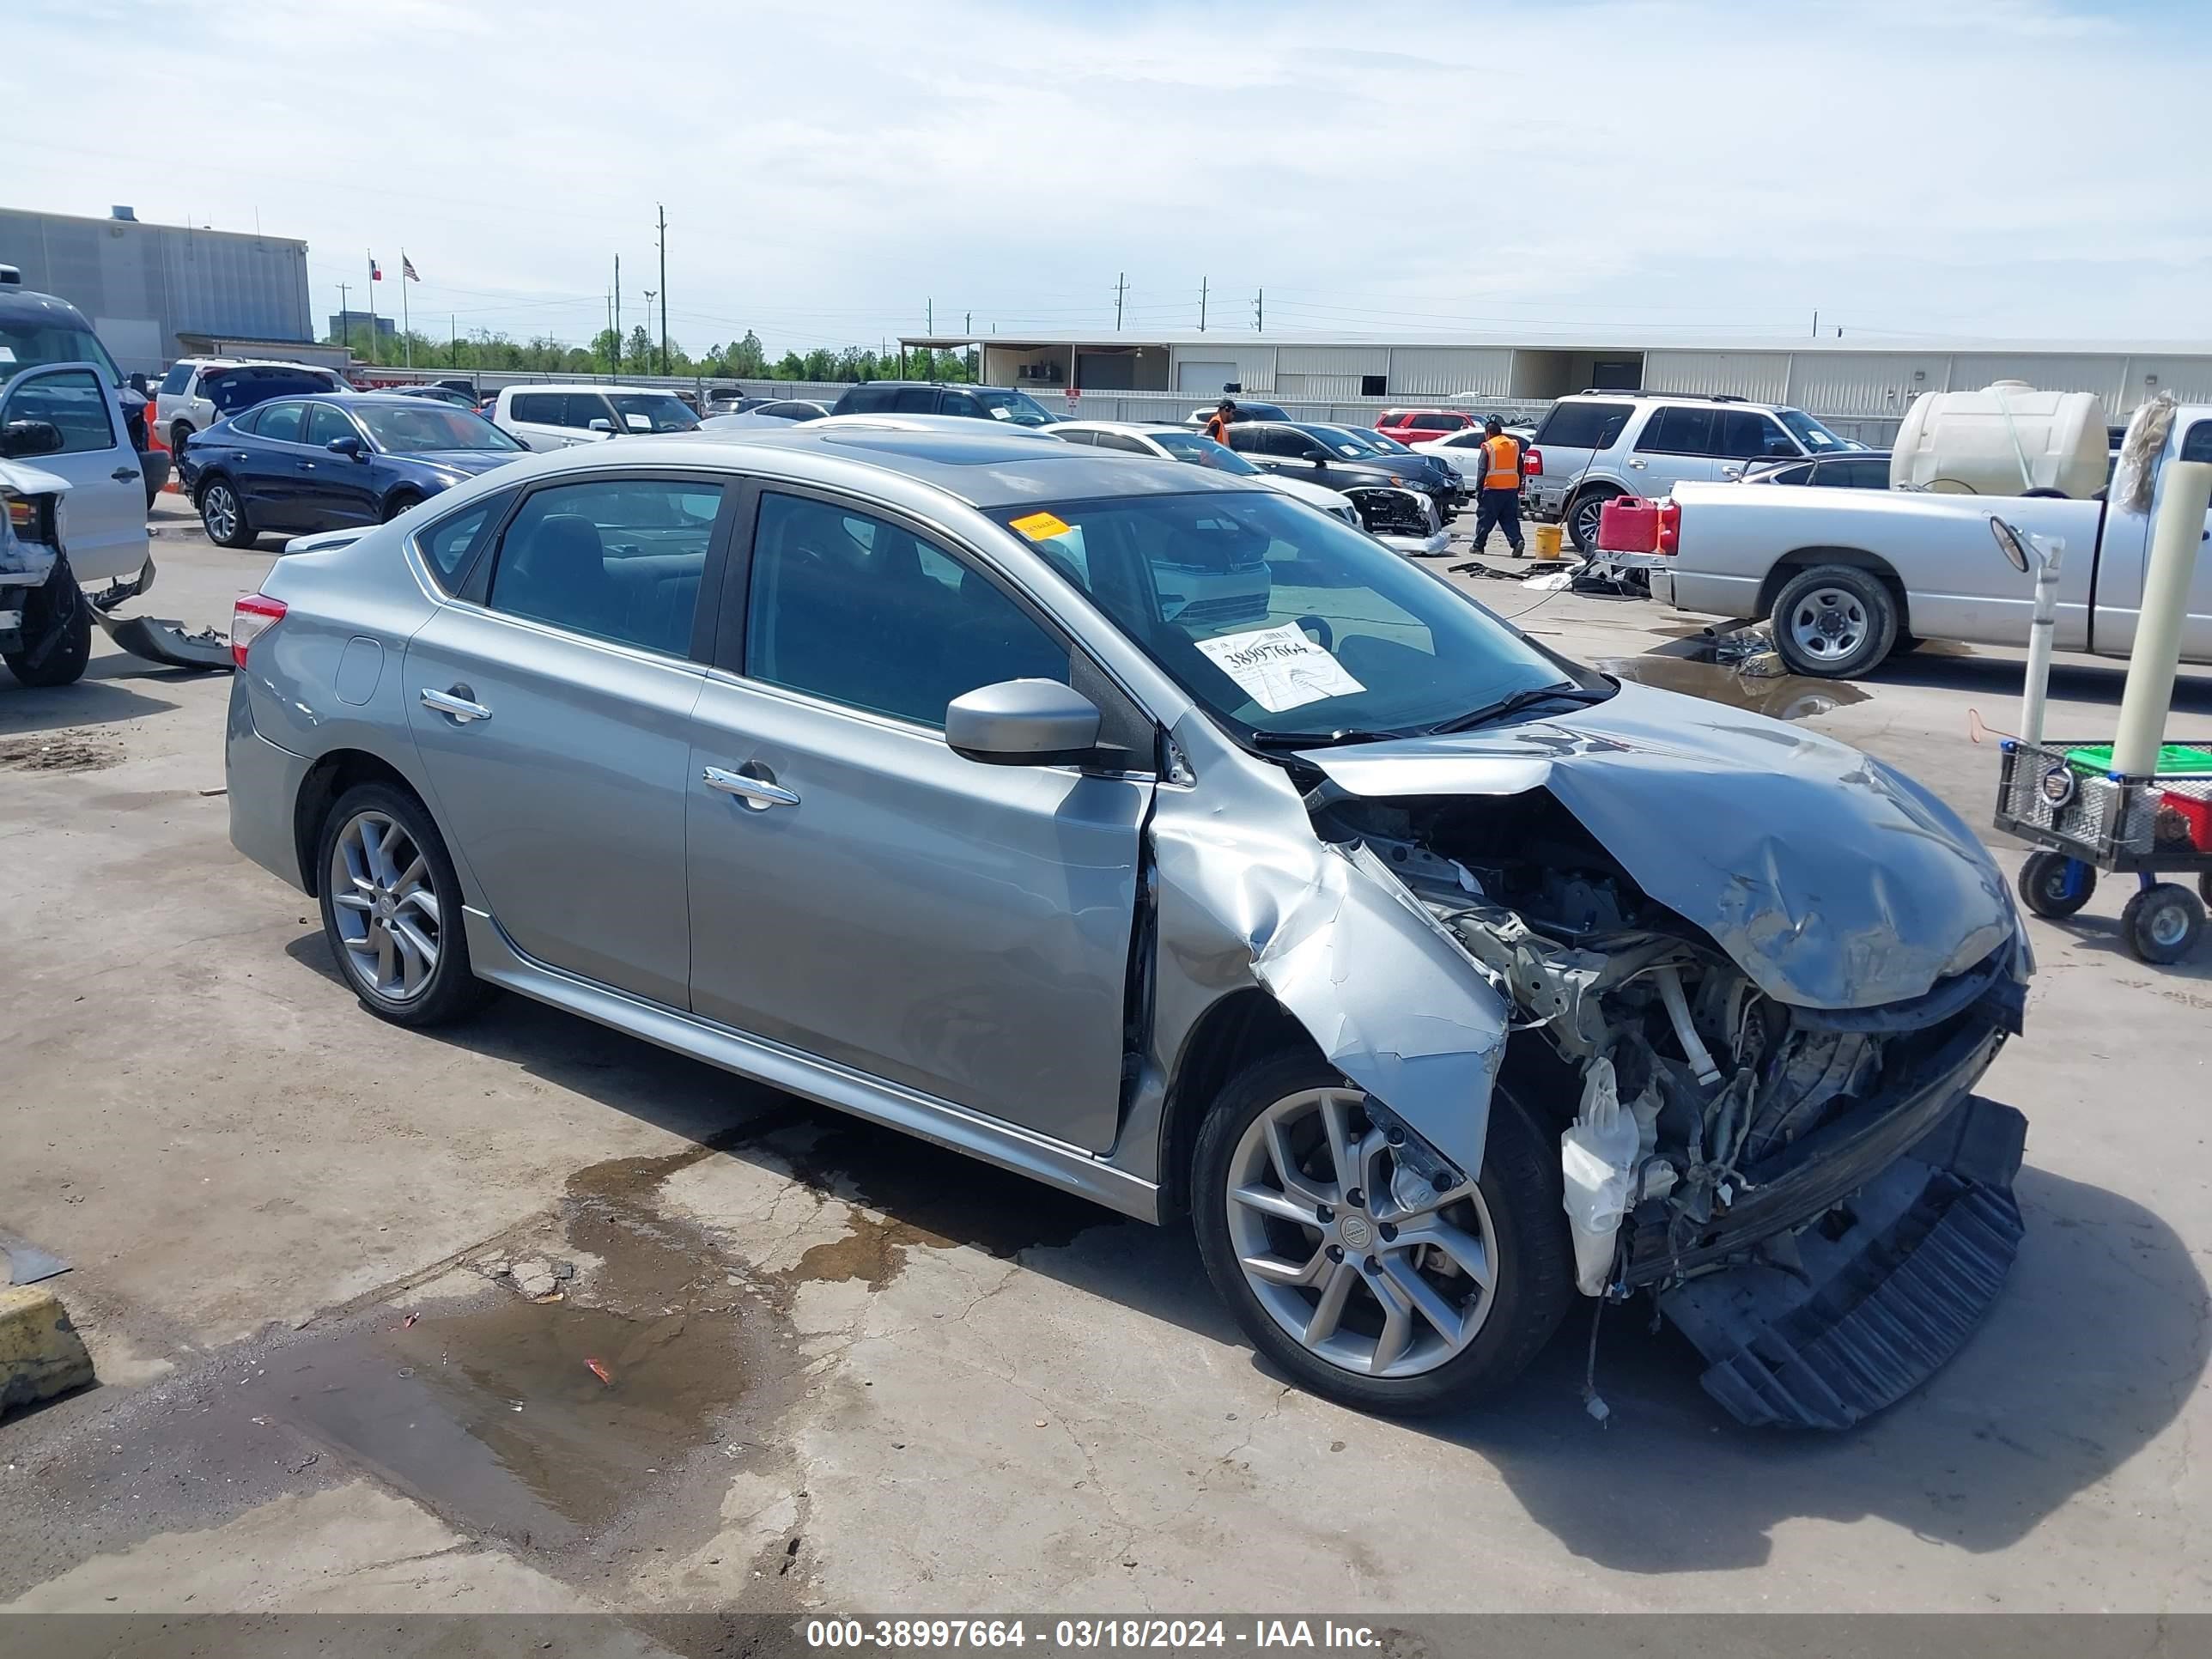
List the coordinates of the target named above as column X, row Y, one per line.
column 557, row 416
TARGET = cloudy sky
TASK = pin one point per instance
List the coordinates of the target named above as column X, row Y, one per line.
column 2029, row 168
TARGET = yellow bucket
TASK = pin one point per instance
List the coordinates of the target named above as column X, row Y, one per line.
column 1547, row 539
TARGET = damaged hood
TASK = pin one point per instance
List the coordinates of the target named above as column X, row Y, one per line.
column 1833, row 881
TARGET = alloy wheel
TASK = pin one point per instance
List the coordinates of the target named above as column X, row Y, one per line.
column 1588, row 514
column 386, row 907
column 219, row 510
column 1829, row 623
column 1359, row 1259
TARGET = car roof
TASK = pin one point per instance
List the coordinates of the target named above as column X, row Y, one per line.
column 1142, row 428
column 352, row 399
column 965, row 459
column 586, row 386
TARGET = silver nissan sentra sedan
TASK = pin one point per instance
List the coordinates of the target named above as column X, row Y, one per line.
column 1155, row 835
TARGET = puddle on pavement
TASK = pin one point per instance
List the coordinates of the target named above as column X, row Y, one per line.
column 1788, row 698
column 928, row 1197
column 496, row 1414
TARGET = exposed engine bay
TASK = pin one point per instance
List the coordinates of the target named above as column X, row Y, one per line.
column 1704, row 1124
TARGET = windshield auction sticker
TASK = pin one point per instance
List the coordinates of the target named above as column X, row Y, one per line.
column 1280, row 668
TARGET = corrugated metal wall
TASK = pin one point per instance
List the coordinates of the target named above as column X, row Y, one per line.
column 2188, row 379
column 1761, row 376
column 1254, row 364
column 1866, row 385
column 1969, row 372
column 1328, row 370
column 1443, row 370
column 143, row 284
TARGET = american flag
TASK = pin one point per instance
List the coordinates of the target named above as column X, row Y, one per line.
column 407, row 267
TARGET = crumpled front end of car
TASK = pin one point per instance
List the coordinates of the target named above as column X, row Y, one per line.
column 1758, row 1027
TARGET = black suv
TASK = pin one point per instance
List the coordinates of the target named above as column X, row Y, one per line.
column 984, row 403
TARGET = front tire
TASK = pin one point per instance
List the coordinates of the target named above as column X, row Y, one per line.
column 1834, row 622
column 2049, row 886
column 222, row 515
column 392, row 908
column 1353, row 1277
column 65, row 640
column 400, row 503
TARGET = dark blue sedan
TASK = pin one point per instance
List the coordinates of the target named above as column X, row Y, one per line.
column 301, row 464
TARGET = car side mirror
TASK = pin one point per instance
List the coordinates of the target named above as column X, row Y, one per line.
column 349, row 444
column 600, row 423
column 20, row 438
column 1022, row 723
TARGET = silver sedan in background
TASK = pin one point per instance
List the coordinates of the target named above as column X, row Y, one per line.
column 1194, row 853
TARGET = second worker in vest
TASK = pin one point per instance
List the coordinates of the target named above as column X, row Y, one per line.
column 1498, row 502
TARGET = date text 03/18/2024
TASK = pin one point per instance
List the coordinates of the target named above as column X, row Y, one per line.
column 1079, row 1635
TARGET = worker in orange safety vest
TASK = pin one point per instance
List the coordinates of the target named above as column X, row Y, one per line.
column 1498, row 502
column 1218, row 423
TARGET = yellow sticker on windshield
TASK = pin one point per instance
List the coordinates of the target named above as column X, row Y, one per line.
column 1042, row 526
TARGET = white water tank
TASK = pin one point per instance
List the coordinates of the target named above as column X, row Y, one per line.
column 2005, row 440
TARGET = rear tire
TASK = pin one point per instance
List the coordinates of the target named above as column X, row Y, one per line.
column 222, row 515
column 177, row 434
column 1834, row 622
column 2163, row 923
column 1512, row 1212
column 64, row 657
column 1582, row 515
column 392, row 908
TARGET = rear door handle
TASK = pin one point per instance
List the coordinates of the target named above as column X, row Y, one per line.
column 459, row 707
column 756, row 793
column 1636, row 461
column 123, row 474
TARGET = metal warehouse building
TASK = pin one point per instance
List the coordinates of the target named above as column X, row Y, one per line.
column 145, row 285
column 1866, row 386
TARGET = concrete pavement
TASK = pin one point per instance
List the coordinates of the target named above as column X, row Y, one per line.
column 843, row 1370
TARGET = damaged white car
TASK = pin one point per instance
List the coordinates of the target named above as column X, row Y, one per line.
column 1146, row 832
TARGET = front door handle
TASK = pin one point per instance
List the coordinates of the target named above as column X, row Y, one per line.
column 756, row 793
column 305, row 466
column 455, row 704
column 1637, row 462
column 124, row 474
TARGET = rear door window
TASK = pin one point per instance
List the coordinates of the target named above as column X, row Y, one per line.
column 283, row 421
column 579, row 409
column 1584, row 425
column 1435, row 423
column 176, row 379
column 539, row 408
column 616, row 559
column 1677, row 431
column 1871, row 474
column 1121, row 441
column 865, row 400
column 914, row 400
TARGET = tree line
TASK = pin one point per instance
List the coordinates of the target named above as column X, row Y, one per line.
column 639, row 353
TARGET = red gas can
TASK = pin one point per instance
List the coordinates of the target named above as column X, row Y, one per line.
column 1628, row 524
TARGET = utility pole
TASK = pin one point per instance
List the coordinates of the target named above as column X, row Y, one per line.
column 1120, row 288
column 345, row 318
column 1816, row 322
column 968, row 322
column 619, row 339
column 610, row 329
column 663, row 212
column 453, row 340
column 929, row 316
column 1202, row 305
column 1260, row 312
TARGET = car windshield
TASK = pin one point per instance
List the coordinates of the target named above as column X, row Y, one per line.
column 1811, row 434
column 653, row 411
column 428, row 425
column 1280, row 620
column 1016, row 406
column 1202, row 452
column 1383, row 442
column 33, row 345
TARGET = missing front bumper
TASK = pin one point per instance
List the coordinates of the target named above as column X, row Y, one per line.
column 1844, row 1318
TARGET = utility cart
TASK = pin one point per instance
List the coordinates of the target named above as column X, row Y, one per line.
column 2084, row 818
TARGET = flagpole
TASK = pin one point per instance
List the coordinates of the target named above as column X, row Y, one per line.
column 406, row 330
column 372, row 308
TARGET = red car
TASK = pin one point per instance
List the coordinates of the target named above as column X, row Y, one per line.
column 1417, row 426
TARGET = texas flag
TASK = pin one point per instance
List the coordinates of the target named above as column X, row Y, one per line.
column 407, row 267
column 375, row 271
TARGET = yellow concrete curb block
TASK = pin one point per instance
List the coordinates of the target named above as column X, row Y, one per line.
column 41, row 1355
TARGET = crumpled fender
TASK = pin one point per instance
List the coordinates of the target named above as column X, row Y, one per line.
column 1255, row 897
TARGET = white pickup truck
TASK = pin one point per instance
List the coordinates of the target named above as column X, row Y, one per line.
column 1850, row 575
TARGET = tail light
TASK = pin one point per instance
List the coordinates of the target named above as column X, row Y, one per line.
column 250, row 618
column 1670, row 526
column 1531, row 463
